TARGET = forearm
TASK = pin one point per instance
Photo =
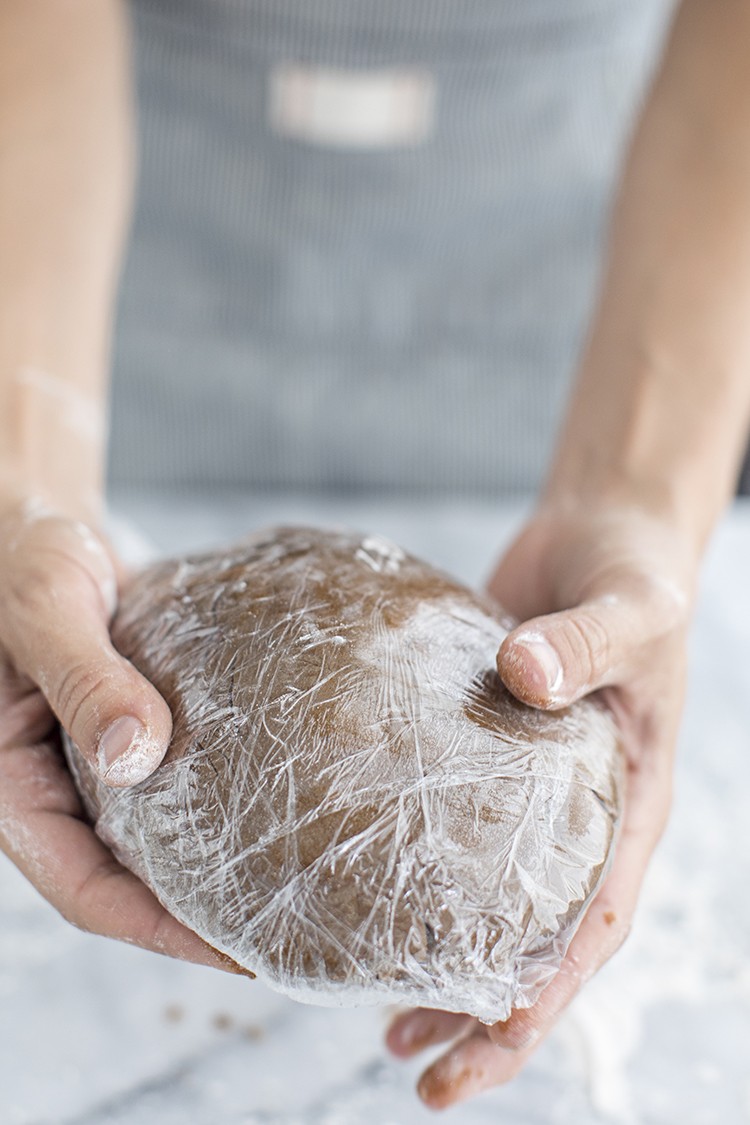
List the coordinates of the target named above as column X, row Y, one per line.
column 65, row 187
column 659, row 415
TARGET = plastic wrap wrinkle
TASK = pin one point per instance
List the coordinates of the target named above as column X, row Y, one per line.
column 353, row 806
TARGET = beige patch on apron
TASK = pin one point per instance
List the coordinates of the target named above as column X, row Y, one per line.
column 351, row 108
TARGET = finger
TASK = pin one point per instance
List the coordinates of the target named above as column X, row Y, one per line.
column 57, row 605
column 43, row 832
column 470, row 1066
column 601, row 934
column 608, row 920
column 553, row 660
column 412, row 1031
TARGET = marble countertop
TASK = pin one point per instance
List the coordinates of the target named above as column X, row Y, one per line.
column 97, row 1033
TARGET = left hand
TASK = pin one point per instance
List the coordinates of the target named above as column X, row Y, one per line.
column 604, row 597
column 57, row 665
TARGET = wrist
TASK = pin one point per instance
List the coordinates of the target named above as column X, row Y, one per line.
column 655, row 438
column 636, row 537
column 52, row 444
column 21, row 495
column 587, row 486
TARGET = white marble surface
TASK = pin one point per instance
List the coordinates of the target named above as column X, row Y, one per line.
column 98, row 1033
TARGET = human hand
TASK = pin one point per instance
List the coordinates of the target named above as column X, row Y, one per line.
column 604, row 598
column 58, row 591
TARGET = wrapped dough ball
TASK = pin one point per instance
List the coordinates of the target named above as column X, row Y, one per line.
column 353, row 807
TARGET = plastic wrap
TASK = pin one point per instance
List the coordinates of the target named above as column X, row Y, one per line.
column 353, row 806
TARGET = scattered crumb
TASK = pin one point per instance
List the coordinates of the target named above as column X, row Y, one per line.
column 609, row 917
column 253, row 1032
column 222, row 1022
column 173, row 1013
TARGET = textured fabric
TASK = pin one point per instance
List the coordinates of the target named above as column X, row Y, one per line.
column 302, row 315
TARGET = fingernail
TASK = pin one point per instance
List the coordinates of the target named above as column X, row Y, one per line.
column 545, row 673
column 127, row 752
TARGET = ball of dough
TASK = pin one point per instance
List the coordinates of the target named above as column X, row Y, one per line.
column 353, row 806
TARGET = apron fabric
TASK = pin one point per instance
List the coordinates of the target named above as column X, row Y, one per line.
column 306, row 315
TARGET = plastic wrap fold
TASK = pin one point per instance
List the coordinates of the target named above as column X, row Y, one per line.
column 353, row 806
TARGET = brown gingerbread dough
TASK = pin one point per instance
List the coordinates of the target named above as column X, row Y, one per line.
column 353, row 806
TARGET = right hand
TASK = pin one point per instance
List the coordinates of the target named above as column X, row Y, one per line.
column 58, row 592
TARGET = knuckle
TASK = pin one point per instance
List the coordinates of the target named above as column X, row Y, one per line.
column 659, row 827
column 161, row 932
column 52, row 577
column 590, row 642
column 623, row 934
column 617, row 925
column 31, row 591
column 81, row 683
column 71, row 912
column 94, row 899
column 666, row 602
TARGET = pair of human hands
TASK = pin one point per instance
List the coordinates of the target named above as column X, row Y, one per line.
column 604, row 597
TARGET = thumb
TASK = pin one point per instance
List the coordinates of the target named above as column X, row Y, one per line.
column 58, row 599
column 553, row 660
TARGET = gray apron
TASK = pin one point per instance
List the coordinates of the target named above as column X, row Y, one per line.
column 298, row 311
